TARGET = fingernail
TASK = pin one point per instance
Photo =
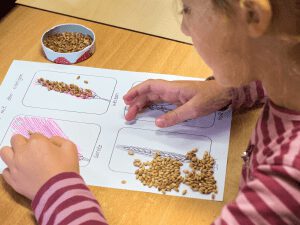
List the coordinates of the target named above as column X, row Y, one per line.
column 160, row 122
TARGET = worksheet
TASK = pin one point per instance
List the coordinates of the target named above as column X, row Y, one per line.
column 85, row 105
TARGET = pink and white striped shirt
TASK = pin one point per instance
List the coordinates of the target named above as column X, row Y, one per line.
column 269, row 189
column 65, row 199
column 270, row 184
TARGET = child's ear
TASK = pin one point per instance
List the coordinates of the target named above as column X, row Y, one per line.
column 257, row 15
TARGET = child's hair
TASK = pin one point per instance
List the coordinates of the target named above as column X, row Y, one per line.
column 285, row 19
column 285, row 24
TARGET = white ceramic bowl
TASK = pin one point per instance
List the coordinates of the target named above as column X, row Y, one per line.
column 72, row 57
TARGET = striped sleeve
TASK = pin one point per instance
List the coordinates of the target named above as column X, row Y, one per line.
column 272, row 197
column 250, row 96
column 65, row 199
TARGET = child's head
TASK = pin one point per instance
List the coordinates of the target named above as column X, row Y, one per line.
column 243, row 39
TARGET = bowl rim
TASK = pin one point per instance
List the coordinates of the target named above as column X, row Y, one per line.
column 68, row 53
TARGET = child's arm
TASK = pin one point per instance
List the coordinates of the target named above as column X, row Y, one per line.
column 46, row 171
column 193, row 98
column 65, row 199
column 271, row 198
column 248, row 96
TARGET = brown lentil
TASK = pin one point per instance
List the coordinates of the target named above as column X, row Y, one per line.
column 62, row 87
column 130, row 152
column 137, row 163
column 201, row 177
column 161, row 173
column 66, row 42
column 164, row 174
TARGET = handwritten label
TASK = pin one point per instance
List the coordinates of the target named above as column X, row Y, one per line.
column 98, row 150
column 115, row 100
column 3, row 108
column 18, row 81
column 10, row 96
column 224, row 115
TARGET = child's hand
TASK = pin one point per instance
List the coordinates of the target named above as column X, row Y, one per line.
column 31, row 162
column 193, row 98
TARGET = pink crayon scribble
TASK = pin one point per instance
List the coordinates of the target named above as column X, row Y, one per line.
column 45, row 126
column 25, row 126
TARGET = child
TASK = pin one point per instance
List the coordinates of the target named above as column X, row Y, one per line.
column 253, row 47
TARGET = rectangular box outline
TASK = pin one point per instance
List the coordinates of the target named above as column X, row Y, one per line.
column 92, row 153
column 211, row 142
column 68, row 110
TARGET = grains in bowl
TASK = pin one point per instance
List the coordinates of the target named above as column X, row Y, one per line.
column 66, row 42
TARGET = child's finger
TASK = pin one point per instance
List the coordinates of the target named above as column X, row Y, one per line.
column 130, row 96
column 132, row 93
column 136, row 107
column 7, row 177
column 178, row 115
column 59, row 141
column 143, row 89
column 141, row 102
column 64, row 143
column 18, row 140
column 7, row 155
column 37, row 136
column 131, row 113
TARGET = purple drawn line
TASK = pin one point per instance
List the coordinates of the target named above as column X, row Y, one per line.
column 45, row 126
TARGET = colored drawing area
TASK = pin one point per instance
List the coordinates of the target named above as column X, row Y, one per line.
column 83, row 135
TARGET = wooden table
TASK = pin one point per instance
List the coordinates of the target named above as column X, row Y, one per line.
column 20, row 33
column 156, row 17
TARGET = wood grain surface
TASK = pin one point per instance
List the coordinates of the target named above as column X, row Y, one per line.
column 156, row 17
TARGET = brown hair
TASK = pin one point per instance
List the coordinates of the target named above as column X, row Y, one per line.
column 285, row 24
column 282, row 11
column 223, row 5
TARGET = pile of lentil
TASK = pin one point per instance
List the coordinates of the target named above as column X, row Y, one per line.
column 164, row 173
column 161, row 173
column 66, row 42
column 62, row 87
column 201, row 177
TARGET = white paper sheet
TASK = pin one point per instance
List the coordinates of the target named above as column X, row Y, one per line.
column 98, row 127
